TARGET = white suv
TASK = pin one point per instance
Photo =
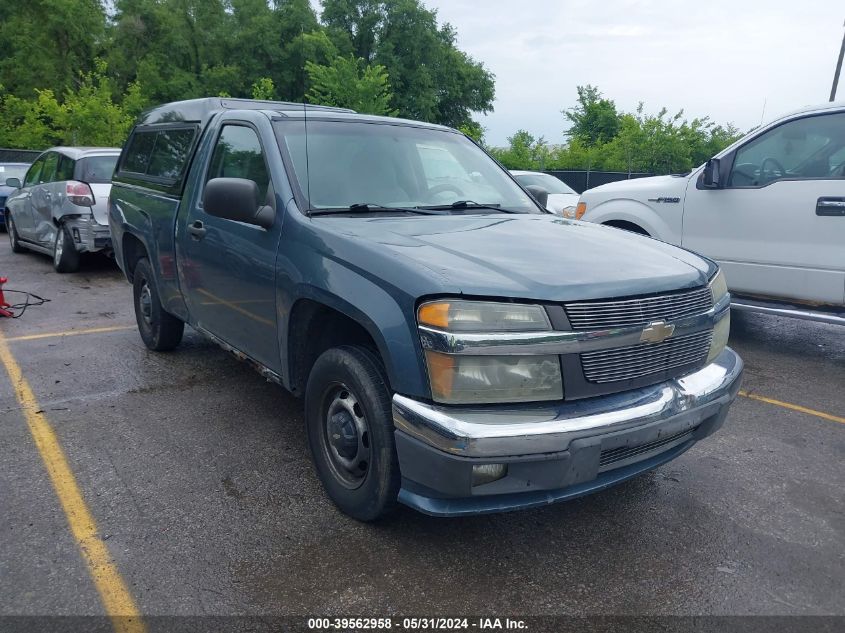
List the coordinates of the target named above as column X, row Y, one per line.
column 770, row 209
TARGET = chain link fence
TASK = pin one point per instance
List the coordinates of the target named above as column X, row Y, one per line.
column 580, row 181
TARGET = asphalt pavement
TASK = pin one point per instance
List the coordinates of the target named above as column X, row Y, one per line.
column 197, row 473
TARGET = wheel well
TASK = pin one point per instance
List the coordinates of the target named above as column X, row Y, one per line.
column 627, row 226
column 315, row 328
column 133, row 250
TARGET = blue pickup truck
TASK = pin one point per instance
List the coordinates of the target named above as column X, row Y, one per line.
column 459, row 350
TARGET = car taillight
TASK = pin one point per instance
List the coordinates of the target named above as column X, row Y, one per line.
column 80, row 194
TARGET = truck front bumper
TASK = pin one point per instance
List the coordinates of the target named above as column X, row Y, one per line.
column 553, row 452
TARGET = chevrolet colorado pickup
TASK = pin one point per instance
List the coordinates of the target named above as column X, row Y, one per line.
column 770, row 210
column 458, row 349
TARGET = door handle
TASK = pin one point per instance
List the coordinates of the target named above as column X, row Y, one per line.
column 831, row 206
column 197, row 230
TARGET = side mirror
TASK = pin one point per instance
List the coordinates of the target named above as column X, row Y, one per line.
column 13, row 182
column 237, row 199
column 711, row 179
column 539, row 194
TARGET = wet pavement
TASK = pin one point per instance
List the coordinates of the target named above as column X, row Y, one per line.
column 198, row 475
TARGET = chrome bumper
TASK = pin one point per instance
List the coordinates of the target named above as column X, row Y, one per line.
column 497, row 431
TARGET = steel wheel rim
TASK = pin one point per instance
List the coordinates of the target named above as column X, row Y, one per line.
column 345, row 437
column 145, row 303
column 10, row 228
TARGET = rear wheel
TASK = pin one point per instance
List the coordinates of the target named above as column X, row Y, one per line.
column 13, row 235
column 350, row 432
column 65, row 255
column 160, row 330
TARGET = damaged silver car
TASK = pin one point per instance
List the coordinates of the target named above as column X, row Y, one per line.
column 61, row 207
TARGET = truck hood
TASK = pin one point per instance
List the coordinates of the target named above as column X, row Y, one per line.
column 538, row 257
column 637, row 188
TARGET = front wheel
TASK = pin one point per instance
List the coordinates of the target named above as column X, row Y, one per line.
column 65, row 255
column 160, row 330
column 13, row 235
column 350, row 432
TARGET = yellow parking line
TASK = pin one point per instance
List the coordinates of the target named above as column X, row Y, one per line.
column 794, row 407
column 93, row 330
column 118, row 602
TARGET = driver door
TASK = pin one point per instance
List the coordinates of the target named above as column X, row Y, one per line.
column 775, row 226
column 227, row 268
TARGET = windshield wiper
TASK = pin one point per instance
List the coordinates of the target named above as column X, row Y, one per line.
column 467, row 204
column 366, row 207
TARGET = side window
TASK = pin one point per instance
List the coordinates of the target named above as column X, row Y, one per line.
column 170, row 153
column 65, row 169
column 797, row 150
column 48, row 172
column 160, row 154
column 138, row 153
column 34, row 172
column 238, row 154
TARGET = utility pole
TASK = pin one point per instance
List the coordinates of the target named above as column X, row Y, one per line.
column 838, row 69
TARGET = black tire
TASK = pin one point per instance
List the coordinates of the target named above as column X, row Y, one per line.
column 351, row 381
column 160, row 330
column 65, row 255
column 14, row 241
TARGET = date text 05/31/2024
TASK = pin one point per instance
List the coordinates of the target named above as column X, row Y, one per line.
column 415, row 624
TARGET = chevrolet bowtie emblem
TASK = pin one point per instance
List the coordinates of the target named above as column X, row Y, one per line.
column 657, row 332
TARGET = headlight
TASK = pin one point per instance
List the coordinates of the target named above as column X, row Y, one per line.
column 722, row 330
column 580, row 210
column 483, row 316
column 487, row 379
column 568, row 212
column 718, row 286
column 465, row 379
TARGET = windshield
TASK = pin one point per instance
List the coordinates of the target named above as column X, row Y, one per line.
column 546, row 181
column 357, row 163
column 96, row 169
column 12, row 171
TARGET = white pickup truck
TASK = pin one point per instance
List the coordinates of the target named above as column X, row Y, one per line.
column 770, row 209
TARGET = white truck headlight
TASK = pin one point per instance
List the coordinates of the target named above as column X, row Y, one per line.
column 722, row 330
column 467, row 379
column 568, row 212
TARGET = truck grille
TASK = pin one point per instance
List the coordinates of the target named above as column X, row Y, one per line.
column 626, row 363
column 601, row 315
column 621, row 453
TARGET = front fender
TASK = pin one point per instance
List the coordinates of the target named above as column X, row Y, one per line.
column 636, row 212
column 384, row 319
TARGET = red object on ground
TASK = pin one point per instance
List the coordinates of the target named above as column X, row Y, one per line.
column 3, row 304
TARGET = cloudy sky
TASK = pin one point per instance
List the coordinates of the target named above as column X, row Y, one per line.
column 722, row 58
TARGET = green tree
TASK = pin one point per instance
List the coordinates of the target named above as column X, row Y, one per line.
column 474, row 130
column 85, row 116
column 524, row 152
column 349, row 83
column 46, row 43
column 430, row 78
column 263, row 89
column 594, row 120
